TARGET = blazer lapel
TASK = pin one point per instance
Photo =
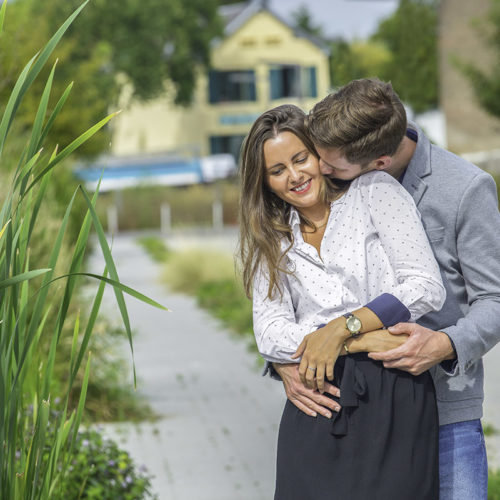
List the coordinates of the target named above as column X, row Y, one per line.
column 419, row 167
column 414, row 185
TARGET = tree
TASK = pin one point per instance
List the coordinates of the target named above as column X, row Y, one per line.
column 142, row 42
column 358, row 59
column 410, row 34
column 486, row 84
column 302, row 19
column 348, row 60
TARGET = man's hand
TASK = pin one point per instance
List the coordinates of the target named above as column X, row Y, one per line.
column 423, row 349
column 311, row 402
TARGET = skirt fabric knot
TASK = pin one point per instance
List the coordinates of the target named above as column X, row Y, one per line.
column 353, row 387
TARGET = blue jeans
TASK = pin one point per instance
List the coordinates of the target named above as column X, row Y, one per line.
column 463, row 466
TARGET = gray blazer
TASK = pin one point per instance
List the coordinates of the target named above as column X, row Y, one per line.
column 459, row 207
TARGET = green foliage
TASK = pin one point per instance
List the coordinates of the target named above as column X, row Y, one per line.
column 141, row 42
column 37, row 445
column 403, row 51
column 227, row 301
column 155, row 247
column 486, row 81
column 489, row 429
column 358, row 59
column 494, row 484
column 110, row 394
column 100, row 470
column 186, row 270
column 410, row 35
column 302, row 19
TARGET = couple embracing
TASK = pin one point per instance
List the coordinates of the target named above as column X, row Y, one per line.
column 371, row 256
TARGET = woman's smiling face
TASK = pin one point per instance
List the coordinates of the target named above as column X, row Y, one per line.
column 292, row 171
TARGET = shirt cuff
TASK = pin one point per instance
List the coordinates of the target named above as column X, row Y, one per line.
column 449, row 366
column 389, row 309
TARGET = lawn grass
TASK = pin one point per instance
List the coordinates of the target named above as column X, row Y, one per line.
column 155, row 247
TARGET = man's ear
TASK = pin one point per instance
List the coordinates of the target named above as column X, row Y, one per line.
column 382, row 162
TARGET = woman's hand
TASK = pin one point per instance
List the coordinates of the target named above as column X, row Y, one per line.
column 319, row 351
column 375, row 341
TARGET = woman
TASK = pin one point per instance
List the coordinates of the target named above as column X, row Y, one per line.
column 313, row 253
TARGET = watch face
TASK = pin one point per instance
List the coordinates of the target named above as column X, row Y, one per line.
column 353, row 324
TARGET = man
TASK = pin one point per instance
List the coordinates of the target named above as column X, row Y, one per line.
column 459, row 208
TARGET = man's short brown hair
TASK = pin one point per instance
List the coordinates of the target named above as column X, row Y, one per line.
column 365, row 119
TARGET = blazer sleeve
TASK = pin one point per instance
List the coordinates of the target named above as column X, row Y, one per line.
column 478, row 250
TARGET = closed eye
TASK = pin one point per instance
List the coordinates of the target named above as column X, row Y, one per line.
column 276, row 171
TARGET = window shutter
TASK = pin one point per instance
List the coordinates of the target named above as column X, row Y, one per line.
column 276, row 83
column 213, row 83
column 313, row 89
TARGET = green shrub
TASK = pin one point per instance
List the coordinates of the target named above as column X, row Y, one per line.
column 489, row 429
column 227, row 301
column 155, row 247
column 187, row 269
column 494, row 484
column 100, row 470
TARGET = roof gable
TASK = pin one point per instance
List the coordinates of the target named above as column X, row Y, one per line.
column 236, row 15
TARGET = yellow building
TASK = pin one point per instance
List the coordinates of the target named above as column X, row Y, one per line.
column 260, row 63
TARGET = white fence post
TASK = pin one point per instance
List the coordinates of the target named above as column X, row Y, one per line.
column 217, row 215
column 112, row 214
column 165, row 218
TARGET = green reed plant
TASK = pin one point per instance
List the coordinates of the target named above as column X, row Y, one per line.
column 36, row 443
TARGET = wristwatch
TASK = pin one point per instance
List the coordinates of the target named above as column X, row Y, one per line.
column 353, row 324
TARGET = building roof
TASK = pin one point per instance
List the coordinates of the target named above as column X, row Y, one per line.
column 235, row 15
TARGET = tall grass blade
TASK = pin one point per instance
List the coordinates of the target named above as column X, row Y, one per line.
column 45, row 54
column 55, row 112
column 24, row 172
column 3, row 228
column 38, row 202
column 34, row 143
column 113, row 273
column 71, row 148
column 88, row 329
column 2, row 15
column 22, row 277
column 38, row 444
column 117, row 285
column 12, row 104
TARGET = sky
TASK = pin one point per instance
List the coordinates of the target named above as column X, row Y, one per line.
column 348, row 19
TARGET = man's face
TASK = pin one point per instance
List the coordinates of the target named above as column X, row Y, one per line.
column 333, row 164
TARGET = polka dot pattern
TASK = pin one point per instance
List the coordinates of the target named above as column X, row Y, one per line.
column 374, row 243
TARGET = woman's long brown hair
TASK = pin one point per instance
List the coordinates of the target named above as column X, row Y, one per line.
column 263, row 216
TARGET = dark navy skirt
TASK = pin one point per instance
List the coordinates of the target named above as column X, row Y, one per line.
column 383, row 445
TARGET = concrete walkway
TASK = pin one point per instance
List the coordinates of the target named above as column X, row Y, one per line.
column 216, row 439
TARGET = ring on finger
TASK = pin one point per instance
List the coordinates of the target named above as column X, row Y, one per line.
column 311, row 368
